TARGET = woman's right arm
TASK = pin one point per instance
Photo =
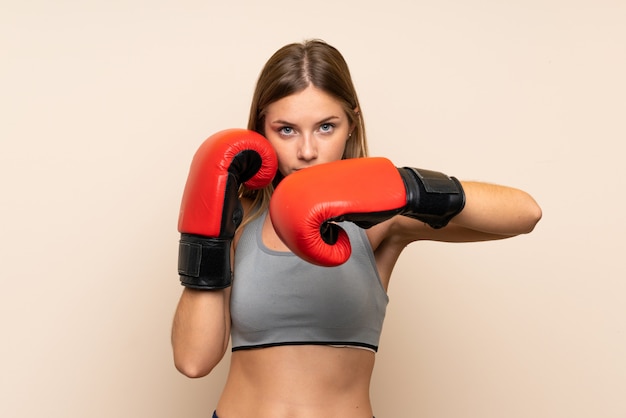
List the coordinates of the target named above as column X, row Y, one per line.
column 201, row 330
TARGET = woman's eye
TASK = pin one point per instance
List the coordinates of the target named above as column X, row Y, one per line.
column 326, row 127
column 286, row 130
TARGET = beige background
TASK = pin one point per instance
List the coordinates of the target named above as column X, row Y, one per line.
column 104, row 102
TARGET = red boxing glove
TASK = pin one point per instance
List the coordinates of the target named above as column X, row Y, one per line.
column 210, row 211
column 366, row 191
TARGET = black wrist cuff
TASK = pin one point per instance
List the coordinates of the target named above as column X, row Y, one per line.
column 204, row 263
column 432, row 197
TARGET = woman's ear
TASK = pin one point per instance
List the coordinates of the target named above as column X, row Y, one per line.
column 357, row 114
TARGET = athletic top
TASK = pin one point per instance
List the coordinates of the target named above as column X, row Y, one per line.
column 279, row 299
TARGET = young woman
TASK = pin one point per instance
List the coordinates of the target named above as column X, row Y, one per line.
column 304, row 337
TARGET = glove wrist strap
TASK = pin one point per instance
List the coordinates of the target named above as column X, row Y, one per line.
column 432, row 197
column 204, row 263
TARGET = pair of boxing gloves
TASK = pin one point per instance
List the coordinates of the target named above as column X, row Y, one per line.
column 304, row 208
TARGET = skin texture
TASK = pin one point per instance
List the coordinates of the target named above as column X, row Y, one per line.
column 306, row 129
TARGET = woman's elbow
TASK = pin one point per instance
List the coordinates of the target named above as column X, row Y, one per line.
column 194, row 368
column 531, row 217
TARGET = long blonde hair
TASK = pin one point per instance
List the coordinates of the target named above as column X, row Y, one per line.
column 290, row 70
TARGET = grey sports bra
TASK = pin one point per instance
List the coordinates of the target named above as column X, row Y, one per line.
column 279, row 299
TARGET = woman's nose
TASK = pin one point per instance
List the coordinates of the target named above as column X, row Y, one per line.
column 307, row 149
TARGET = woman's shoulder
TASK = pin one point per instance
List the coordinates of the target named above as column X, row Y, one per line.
column 398, row 231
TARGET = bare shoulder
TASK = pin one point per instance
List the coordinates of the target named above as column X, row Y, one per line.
column 388, row 239
column 397, row 231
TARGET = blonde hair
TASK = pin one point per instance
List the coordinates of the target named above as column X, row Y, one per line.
column 290, row 70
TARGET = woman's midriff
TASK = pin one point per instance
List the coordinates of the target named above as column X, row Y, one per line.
column 298, row 382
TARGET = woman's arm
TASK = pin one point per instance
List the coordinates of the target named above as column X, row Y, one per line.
column 497, row 209
column 490, row 212
column 201, row 330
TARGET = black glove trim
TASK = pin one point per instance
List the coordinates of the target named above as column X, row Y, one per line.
column 432, row 197
column 204, row 263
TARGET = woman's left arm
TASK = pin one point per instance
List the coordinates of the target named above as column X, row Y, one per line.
column 491, row 212
column 497, row 209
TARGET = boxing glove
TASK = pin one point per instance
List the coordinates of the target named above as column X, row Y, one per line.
column 211, row 211
column 307, row 204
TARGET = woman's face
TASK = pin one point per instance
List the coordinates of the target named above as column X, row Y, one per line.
column 305, row 129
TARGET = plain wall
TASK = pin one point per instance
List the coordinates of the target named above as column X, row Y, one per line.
column 103, row 104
